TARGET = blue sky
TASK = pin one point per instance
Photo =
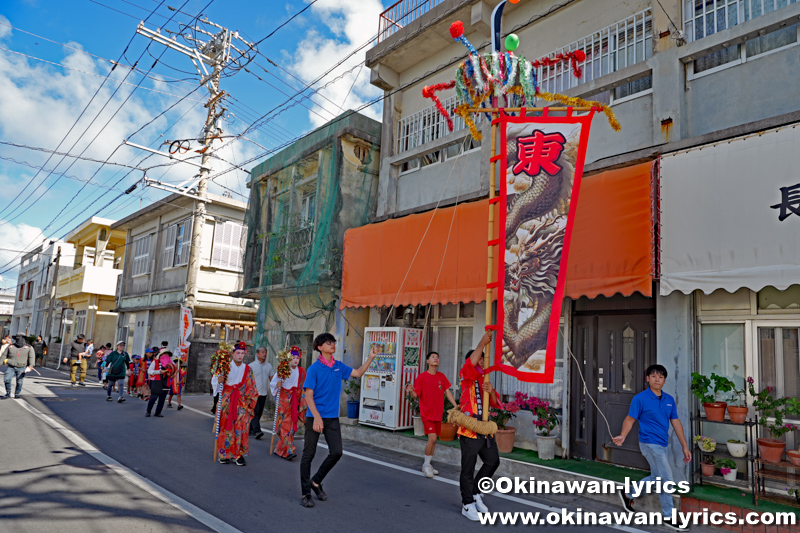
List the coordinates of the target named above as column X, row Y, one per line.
column 46, row 86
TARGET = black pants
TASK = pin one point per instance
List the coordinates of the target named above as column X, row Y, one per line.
column 486, row 448
column 333, row 436
column 161, row 397
column 255, row 423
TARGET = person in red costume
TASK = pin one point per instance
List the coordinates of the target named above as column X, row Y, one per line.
column 291, row 405
column 236, row 404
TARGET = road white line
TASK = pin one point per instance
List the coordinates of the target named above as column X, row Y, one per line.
column 132, row 477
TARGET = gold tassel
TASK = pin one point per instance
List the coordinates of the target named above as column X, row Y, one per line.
column 454, row 416
column 573, row 101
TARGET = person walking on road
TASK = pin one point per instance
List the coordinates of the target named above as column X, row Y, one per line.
column 20, row 359
column 656, row 411
column 291, row 405
column 430, row 387
column 158, row 373
column 236, row 403
column 323, row 387
column 40, row 349
column 474, row 445
column 262, row 372
column 78, row 363
column 116, row 364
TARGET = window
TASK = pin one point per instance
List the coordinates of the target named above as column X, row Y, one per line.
column 80, row 322
column 177, row 244
column 141, row 256
column 428, row 125
column 227, row 249
column 29, row 291
column 410, row 165
column 771, row 41
column 706, row 17
column 21, row 291
column 462, row 147
column 307, row 207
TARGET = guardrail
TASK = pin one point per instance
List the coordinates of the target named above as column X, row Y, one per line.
column 400, row 14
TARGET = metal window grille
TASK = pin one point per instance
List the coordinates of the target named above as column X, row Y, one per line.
column 428, row 125
column 169, row 246
column 702, row 18
column 620, row 45
column 183, row 242
column 227, row 249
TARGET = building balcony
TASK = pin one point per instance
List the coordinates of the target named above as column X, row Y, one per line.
column 398, row 16
column 89, row 279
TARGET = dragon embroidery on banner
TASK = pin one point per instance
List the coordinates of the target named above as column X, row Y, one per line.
column 535, row 227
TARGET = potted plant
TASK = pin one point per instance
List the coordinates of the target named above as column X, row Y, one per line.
column 505, row 434
column 707, row 466
column 413, row 403
column 794, row 491
column 701, row 388
column 727, row 467
column 449, row 429
column 352, row 388
column 794, row 456
column 736, row 448
column 707, row 444
column 737, row 408
column 770, row 450
column 546, row 420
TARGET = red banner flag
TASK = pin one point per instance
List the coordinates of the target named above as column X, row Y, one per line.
column 541, row 164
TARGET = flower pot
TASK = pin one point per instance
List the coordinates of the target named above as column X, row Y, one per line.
column 419, row 428
column 715, row 412
column 730, row 476
column 771, row 450
column 738, row 414
column 352, row 409
column 710, row 447
column 505, row 439
column 794, row 457
column 708, row 470
column 448, row 431
column 737, row 449
column 546, row 446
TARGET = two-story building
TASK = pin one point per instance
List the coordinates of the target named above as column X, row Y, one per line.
column 90, row 287
column 666, row 228
column 35, row 289
column 152, row 287
column 302, row 200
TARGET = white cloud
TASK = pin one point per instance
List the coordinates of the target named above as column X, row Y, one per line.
column 352, row 25
column 16, row 237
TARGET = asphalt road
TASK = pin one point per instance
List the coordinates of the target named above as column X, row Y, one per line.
column 71, row 461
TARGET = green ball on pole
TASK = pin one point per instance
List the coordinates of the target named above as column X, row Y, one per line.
column 512, row 42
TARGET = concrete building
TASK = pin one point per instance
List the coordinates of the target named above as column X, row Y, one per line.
column 152, row 287
column 680, row 76
column 302, row 200
column 90, row 288
column 35, row 286
column 7, row 297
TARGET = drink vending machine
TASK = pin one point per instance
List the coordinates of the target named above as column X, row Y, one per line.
column 383, row 398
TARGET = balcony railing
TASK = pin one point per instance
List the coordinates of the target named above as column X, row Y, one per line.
column 613, row 48
column 702, row 18
column 285, row 254
column 400, row 14
column 428, row 125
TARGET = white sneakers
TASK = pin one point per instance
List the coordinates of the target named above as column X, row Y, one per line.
column 428, row 471
column 480, row 505
column 470, row 512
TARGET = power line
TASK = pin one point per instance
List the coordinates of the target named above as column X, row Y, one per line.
column 65, row 154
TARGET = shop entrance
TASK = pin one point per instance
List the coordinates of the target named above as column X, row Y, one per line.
column 614, row 348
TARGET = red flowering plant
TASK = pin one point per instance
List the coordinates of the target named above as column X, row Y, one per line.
column 545, row 416
column 503, row 415
column 771, row 408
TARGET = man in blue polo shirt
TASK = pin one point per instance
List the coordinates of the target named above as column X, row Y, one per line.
column 323, row 387
column 655, row 410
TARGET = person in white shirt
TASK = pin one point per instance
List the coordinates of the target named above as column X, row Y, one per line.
column 263, row 373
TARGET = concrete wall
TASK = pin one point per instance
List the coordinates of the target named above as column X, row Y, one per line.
column 675, row 347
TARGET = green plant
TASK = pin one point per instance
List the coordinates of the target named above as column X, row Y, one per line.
column 707, row 444
column 700, row 388
column 413, row 402
column 735, row 441
column 447, row 407
column 502, row 415
column 352, row 388
column 722, row 384
column 546, row 417
column 708, row 460
column 794, row 491
column 772, row 408
column 725, row 462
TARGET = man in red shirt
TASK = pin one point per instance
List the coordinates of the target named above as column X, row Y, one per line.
column 474, row 445
column 430, row 387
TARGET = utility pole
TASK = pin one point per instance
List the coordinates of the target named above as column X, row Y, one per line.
column 53, row 290
column 213, row 52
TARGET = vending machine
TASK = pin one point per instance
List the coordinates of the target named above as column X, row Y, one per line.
column 383, row 385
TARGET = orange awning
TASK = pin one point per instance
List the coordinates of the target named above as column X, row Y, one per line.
column 611, row 248
column 377, row 258
column 610, row 252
